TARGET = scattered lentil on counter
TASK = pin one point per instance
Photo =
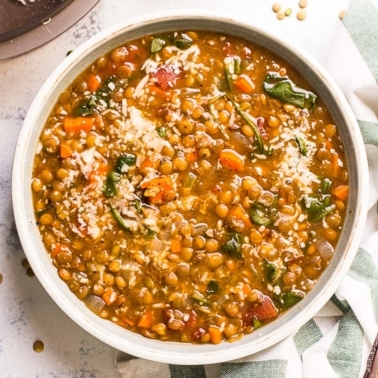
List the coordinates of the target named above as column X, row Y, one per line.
column 38, row 346
column 301, row 14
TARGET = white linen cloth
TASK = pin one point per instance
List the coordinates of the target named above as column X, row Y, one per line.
column 338, row 340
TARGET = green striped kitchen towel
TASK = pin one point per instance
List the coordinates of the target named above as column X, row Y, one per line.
column 337, row 341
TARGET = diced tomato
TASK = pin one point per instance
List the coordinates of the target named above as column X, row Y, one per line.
column 217, row 189
column 134, row 53
column 247, row 53
column 266, row 309
column 111, row 69
column 262, row 311
column 228, row 49
column 192, row 321
column 198, row 333
column 166, row 77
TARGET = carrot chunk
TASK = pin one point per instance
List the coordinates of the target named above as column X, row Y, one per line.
column 77, row 124
column 341, row 192
column 56, row 248
column 192, row 155
column 335, row 168
column 93, row 82
column 244, row 84
column 215, row 334
column 175, row 245
column 149, row 163
column 128, row 321
column 109, row 296
column 231, row 160
column 160, row 92
column 65, row 150
column 237, row 212
column 101, row 171
column 157, row 188
column 146, row 320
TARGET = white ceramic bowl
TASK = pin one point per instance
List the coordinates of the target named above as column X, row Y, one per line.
column 169, row 352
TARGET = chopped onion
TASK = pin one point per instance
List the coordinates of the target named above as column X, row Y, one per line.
column 240, row 138
column 325, row 248
column 166, row 234
column 94, row 303
column 199, row 228
column 221, row 300
column 155, row 245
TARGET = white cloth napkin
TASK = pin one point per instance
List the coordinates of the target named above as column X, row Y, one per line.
column 338, row 340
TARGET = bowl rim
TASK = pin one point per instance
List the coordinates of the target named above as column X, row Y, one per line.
column 117, row 337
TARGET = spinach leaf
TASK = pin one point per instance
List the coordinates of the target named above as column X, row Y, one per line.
column 261, row 215
column 88, row 106
column 119, row 219
column 325, row 185
column 150, row 233
column 110, row 189
column 290, row 298
column 257, row 323
column 317, row 207
column 248, row 120
column 212, row 287
column 106, row 89
column 234, row 246
column 198, row 297
column 302, row 145
column 182, row 43
column 233, row 66
column 283, row 89
column 162, row 131
column 273, row 272
column 124, row 161
column 157, row 44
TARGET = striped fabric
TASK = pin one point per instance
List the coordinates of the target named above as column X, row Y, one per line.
column 337, row 341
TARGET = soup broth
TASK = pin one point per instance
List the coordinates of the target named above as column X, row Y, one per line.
column 190, row 187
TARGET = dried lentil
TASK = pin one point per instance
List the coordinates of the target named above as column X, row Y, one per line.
column 301, row 14
column 38, row 346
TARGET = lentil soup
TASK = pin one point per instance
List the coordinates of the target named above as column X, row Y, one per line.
column 190, row 187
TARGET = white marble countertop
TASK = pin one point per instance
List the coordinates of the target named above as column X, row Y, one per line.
column 27, row 313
